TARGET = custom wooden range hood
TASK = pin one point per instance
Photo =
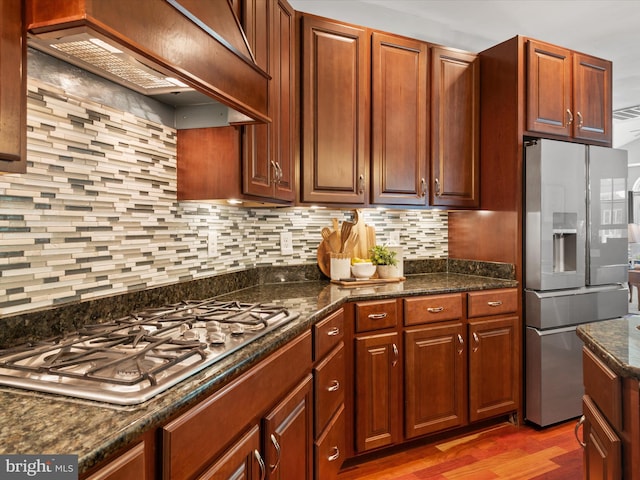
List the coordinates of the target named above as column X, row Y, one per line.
column 155, row 47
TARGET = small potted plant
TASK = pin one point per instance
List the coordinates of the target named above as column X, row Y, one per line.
column 386, row 262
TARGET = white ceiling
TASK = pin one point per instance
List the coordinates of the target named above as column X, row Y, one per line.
column 606, row 28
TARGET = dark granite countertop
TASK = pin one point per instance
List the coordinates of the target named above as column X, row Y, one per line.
column 37, row 423
column 616, row 342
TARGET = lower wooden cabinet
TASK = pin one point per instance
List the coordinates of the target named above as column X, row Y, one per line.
column 128, row 466
column 493, row 367
column 216, row 435
column 602, row 446
column 435, row 378
column 242, row 461
column 378, row 396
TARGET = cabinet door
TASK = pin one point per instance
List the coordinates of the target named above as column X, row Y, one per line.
column 128, row 466
column 13, row 88
column 455, row 128
column 493, row 367
column 335, row 113
column 592, row 98
column 549, row 89
column 268, row 150
column 434, row 373
column 242, row 461
column 399, row 120
column 377, row 391
column 602, row 448
column 288, row 435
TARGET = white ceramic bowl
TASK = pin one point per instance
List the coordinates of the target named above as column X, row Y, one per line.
column 363, row 271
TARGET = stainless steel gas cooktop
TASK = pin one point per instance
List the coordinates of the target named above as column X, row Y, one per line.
column 130, row 360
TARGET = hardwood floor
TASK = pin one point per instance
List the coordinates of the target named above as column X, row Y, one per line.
column 505, row 451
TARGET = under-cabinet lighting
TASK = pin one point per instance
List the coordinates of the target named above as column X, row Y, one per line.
column 233, row 201
column 176, row 82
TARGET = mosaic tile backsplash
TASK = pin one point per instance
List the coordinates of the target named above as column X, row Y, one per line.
column 96, row 213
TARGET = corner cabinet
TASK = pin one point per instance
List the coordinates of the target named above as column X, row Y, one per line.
column 455, row 128
column 568, row 93
column 13, row 88
column 268, row 151
column 335, row 112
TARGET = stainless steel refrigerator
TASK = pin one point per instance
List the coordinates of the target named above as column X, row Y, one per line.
column 575, row 265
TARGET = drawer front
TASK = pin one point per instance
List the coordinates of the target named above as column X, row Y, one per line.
column 329, row 383
column 433, row 308
column 327, row 334
column 603, row 386
column 330, row 448
column 492, row 302
column 376, row 315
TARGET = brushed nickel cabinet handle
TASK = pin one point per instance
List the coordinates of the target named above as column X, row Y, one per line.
column 333, row 332
column 423, row 188
column 335, row 385
column 396, row 354
column 437, row 182
column 569, row 117
column 275, row 171
column 263, row 470
column 497, row 303
column 276, row 445
column 579, row 115
column 579, row 423
column 377, row 316
column 361, row 184
column 461, row 342
column 476, row 341
column 435, row 309
column 335, row 455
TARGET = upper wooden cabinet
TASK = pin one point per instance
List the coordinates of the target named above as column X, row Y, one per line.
column 399, row 120
column 268, row 150
column 455, row 128
column 335, row 112
column 13, row 88
column 568, row 93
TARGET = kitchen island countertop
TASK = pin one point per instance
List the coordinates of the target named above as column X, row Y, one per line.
column 38, row 423
column 616, row 342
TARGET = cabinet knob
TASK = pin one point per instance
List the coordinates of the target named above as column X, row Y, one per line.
column 579, row 423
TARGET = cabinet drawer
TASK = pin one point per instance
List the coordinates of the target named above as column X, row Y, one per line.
column 433, row 308
column 329, row 384
column 376, row 315
column 327, row 334
column 130, row 464
column 492, row 302
column 330, row 448
column 603, row 386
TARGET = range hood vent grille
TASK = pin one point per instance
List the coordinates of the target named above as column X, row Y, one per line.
column 88, row 53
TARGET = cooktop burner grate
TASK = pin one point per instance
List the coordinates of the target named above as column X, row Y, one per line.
column 131, row 359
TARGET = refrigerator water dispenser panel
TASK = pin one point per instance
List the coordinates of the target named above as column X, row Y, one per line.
column 565, row 241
